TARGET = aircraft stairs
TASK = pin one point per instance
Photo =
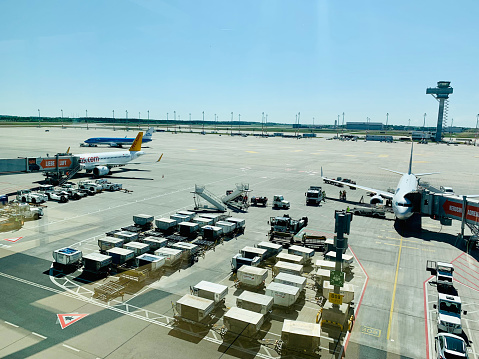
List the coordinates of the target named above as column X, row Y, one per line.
column 210, row 197
column 241, row 190
column 70, row 175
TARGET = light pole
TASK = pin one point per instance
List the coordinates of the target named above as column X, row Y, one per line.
column 38, row 117
column 239, row 124
column 203, row 132
column 86, row 118
column 231, row 123
column 148, row 118
column 262, row 123
column 167, row 122
column 190, row 123
column 387, row 118
column 62, row 117
column 450, row 130
column 266, row 124
column 477, row 120
column 113, row 111
column 337, row 128
column 216, row 130
column 342, row 126
column 424, row 127
column 126, row 114
column 174, row 118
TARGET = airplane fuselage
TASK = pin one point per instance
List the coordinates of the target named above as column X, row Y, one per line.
column 112, row 141
column 402, row 206
column 109, row 159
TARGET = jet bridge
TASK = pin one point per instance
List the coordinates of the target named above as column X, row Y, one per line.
column 445, row 207
column 53, row 167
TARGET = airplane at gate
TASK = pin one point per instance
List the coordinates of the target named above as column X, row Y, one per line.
column 116, row 141
column 101, row 163
column 402, row 198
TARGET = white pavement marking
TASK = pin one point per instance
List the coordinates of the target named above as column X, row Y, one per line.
column 69, row 347
column 13, row 325
column 71, row 294
column 39, row 335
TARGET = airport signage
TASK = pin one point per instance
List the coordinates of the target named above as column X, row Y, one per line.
column 454, row 209
column 52, row 163
column 336, row 298
column 336, row 278
column 68, row 319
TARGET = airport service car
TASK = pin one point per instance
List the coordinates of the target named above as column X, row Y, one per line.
column 450, row 346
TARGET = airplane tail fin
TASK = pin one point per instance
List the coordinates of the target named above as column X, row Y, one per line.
column 410, row 160
column 149, row 133
column 136, row 146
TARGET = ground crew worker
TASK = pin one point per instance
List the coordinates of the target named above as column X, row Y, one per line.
column 324, row 196
column 344, row 195
column 347, row 209
column 340, row 195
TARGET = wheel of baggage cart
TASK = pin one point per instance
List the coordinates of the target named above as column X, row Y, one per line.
column 34, row 200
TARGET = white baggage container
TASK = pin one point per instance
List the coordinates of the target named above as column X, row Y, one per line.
column 272, row 249
column 286, row 267
column 291, row 258
column 110, row 242
column 252, row 276
column 180, row 218
column 188, row 214
column 291, row 279
column 306, row 253
column 120, row 255
column 251, row 252
column 143, row 219
column 137, row 247
column 150, row 262
column 171, row 255
column 240, row 223
column 323, row 264
column 187, row 229
column 228, row 227
column 155, row 242
column 202, row 221
column 126, row 236
column 67, row 256
column 212, row 291
column 283, row 295
column 320, row 275
column 194, row 308
column 96, row 262
column 347, row 259
column 214, row 217
column 301, row 336
column 166, row 224
column 188, row 248
column 211, row 233
column 255, row 302
column 242, row 321
column 347, row 290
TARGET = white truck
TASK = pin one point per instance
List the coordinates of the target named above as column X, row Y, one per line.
column 29, row 212
column 279, row 202
column 90, row 186
column 314, row 195
column 26, row 195
column 449, row 313
column 53, row 195
column 108, row 186
column 444, row 275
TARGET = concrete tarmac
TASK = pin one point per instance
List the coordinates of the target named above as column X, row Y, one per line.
column 395, row 318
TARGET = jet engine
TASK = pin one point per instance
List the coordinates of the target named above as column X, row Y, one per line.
column 376, row 199
column 101, row 171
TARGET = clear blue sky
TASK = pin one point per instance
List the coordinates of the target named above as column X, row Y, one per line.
column 320, row 58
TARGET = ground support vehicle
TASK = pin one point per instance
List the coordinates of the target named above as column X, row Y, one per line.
column 285, row 228
column 90, row 186
column 279, row 202
column 444, row 276
column 108, row 186
column 449, row 313
column 377, row 212
column 26, row 195
column 28, row 212
column 314, row 196
column 259, row 201
column 72, row 192
column 52, row 194
column 450, row 346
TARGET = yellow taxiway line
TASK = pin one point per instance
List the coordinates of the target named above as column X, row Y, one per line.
column 394, row 291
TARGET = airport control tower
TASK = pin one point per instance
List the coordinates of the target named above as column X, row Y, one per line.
column 440, row 93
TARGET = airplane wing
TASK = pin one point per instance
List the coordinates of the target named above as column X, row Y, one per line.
column 426, row 174
column 379, row 192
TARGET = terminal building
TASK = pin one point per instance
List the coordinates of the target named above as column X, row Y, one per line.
column 371, row 126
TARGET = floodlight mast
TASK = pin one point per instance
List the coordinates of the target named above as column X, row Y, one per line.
column 440, row 93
